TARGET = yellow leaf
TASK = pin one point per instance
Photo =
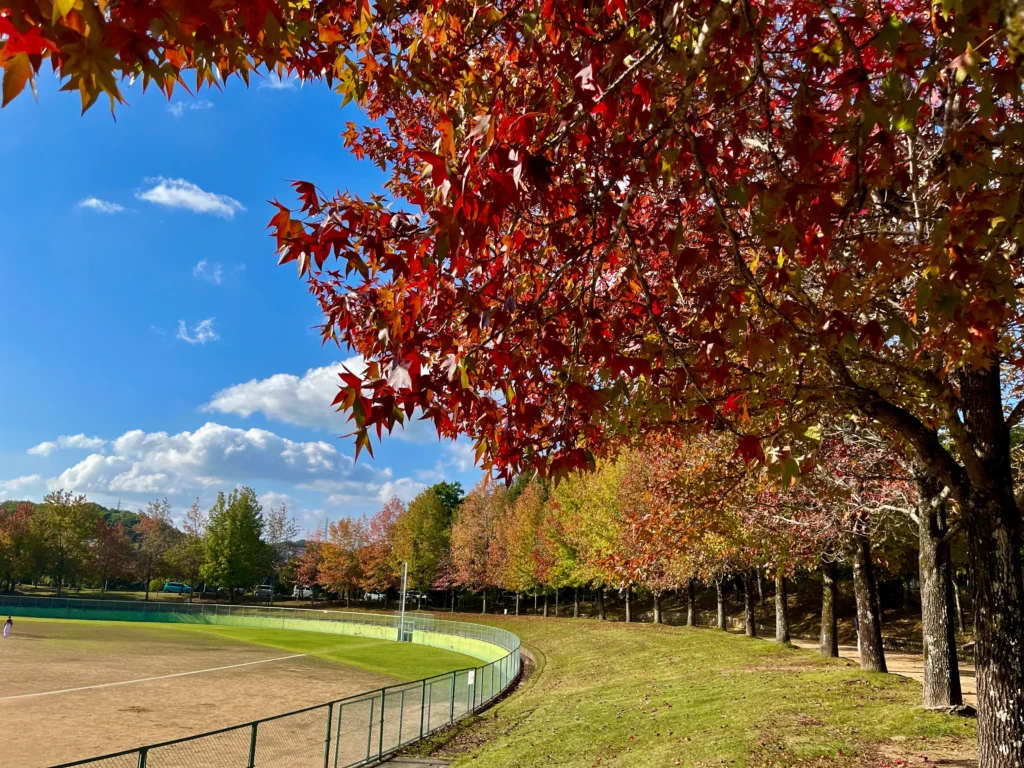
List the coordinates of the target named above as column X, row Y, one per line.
column 63, row 7
column 17, row 71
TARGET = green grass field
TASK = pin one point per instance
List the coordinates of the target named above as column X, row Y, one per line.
column 631, row 695
column 403, row 661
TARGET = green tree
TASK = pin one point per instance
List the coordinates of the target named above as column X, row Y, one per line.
column 236, row 554
column 67, row 524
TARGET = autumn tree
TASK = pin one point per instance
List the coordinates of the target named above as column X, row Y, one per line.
column 517, row 539
column 609, row 219
column 110, row 553
column 339, row 567
column 156, row 536
column 377, row 564
column 20, row 544
column 472, row 536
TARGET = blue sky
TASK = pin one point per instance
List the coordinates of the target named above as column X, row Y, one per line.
column 149, row 344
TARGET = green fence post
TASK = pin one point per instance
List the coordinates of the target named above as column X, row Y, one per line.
column 380, row 740
column 327, row 741
column 451, row 702
column 423, row 702
column 401, row 715
column 142, row 757
column 369, row 730
column 337, row 739
column 252, row 747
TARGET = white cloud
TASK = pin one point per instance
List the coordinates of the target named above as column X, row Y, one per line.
column 18, row 484
column 68, row 441
column 210, row 272
column 100, row 206
column 178, row 108
column 179, row 193
column 213, row 456
column 275, row 83
column 360, row 493
column 404, row 488
column 304, row 401
column 461, row 455
column 202, row 332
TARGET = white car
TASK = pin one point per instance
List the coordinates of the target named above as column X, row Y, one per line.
column 306, row 593
column 263, row 590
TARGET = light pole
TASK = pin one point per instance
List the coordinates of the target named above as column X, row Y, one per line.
column 401, row 621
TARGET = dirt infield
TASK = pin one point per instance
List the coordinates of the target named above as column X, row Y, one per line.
column 172, row 684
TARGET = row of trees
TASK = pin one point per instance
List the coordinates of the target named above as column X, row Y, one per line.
column 606, row 221
column 70, row 541
column 671, row 516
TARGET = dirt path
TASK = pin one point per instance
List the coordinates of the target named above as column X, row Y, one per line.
column 906, row 664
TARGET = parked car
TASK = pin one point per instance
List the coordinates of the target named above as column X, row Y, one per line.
column 177, row 587
column 263, row 590
column 374, row 597
column 305, row 593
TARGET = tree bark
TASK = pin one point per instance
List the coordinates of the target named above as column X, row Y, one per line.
column 484, row 608
column 629, row 603
column 535, row 603
column 721, row 605
column 517, row 603
column 941, row 671
column 993, row 521
column 657, row 608
column 556, row 602
column 545, row 605
column 575, row 602
column 781, row 609
column 760, row 587
column 829, row 645
column 600, row 603
column 690, row 617
column 865, row 591
column 750, row 623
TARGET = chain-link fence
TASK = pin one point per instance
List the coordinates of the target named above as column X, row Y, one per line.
column 355, row 731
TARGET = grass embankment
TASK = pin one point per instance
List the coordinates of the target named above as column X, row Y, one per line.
column 403, row 661
column 631, row 695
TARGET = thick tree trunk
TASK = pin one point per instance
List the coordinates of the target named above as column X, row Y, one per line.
column 749, row 621
column 575, row 602
column 545, row 605
column 600, row 603
column 657, row 608
column 721, row 605
column 941, row 672
column 829, row 645
column 690, row 614
column 760, row 587
column 865, row 591
column 993, row 521
column 629, row 603
column 781, row 609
